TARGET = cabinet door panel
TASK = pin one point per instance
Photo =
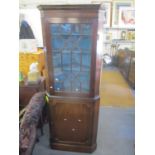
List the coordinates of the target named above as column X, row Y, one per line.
column 71, row 121
column 71, row 48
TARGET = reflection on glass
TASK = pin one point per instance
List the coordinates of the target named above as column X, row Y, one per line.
column 66, row 28
column 59, row 77
column 58, row 86
column 76, row 86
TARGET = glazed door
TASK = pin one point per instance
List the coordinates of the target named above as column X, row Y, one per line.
column 71, row 58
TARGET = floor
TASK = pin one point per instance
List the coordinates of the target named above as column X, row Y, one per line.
column 114, row 89
column 115, row 134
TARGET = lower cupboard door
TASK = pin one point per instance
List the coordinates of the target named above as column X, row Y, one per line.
column 71, row 122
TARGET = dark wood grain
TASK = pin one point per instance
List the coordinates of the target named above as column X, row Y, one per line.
column 70, row 7
column 26, row 91
column 73, row 122
column 126, row 64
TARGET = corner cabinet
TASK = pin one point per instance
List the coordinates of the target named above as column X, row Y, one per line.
column 72, row 36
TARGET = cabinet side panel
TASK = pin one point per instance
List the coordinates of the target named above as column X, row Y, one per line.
column 95, row 120
column 99, row 52
column 45, row 44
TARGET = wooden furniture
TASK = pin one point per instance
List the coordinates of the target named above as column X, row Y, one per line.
column 72, row 36
column 126, row 64
column 29, row 123
column 131, row 77
column 26, row 91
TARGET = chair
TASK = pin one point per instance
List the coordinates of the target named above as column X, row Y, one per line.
column 29, row 123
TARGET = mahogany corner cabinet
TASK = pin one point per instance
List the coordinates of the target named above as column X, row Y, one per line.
column 72, row 36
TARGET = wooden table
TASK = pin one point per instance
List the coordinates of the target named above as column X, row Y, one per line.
column 126, row 64
column 26, row 91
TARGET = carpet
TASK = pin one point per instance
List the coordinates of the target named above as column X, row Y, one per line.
column 114, row 90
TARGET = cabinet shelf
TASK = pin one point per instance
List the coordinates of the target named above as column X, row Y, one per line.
column 118, row 28
column 120, row 41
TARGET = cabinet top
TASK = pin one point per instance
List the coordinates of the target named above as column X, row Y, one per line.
column 70, row 7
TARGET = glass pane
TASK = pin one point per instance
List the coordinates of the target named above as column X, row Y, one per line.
column 65, row 38
column 86, row 29
column 68, row 43
column 66, row 61
column 66, row 51
column 71, row 47
column 85, row 42
column 57, row 43
column 76, row 86
column 54, row 28
column 58, row 86
column 85, row 86
column 84, row 76
column 75, row 76
column 86, row 61
column 74, row 41
column 67, row 85
column 66, row 28
column 76, row 29
column 86, row 51
column 57, row 60
column 59, row 76
column 84, row 79
column 76, row 51
column 76, row 58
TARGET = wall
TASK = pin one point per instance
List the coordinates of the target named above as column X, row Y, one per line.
column 112, row 35
column 32, row 16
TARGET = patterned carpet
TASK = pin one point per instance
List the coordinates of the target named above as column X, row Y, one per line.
column 114, row 90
